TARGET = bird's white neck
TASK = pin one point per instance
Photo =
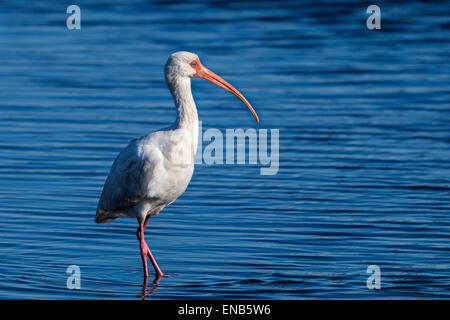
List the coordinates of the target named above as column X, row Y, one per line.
column 187, row 116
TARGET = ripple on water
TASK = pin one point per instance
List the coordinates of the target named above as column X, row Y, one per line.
column 364, row 149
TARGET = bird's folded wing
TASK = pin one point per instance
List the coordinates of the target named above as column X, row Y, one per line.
column 123, row 187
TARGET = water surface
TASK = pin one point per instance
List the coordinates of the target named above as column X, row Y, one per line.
column 364, row 174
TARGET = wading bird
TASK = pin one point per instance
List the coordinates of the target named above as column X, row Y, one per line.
column 154, row 170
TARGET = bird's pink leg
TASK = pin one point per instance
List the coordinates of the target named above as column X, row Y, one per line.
column 146, row 251
column 138, row 231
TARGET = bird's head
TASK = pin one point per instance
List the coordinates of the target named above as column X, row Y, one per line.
column 186, row 64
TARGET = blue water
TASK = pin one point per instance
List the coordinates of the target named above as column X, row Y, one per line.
column 364, row 177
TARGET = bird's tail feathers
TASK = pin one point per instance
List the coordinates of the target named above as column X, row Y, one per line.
column 103, row 216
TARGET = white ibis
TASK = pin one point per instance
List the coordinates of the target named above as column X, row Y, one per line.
column 154, row 170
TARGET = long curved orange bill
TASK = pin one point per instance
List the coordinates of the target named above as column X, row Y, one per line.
column 205, row 73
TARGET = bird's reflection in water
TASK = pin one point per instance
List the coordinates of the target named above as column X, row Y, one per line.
column 148, row 290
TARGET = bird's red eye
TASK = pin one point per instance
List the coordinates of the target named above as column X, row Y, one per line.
column 193, row 64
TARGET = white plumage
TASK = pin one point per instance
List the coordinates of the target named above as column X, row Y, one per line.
column 154, row 170
column 150, row 173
